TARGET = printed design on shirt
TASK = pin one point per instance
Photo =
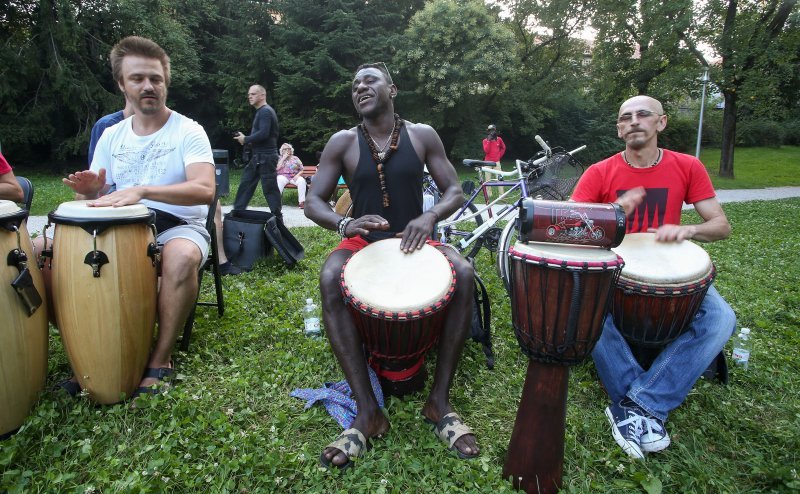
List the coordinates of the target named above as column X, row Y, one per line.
column 138, row 165
column 653, row 206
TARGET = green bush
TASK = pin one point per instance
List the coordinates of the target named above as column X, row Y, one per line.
column 791, row 134
column 712, row 127
column 755, row 133
column 680, row 134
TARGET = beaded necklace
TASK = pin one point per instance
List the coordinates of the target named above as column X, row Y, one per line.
column 657, row 160
column 381, row 157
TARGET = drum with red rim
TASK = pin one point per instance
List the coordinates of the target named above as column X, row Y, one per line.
column 398, row 304
column 660, row 289
column 559, row 299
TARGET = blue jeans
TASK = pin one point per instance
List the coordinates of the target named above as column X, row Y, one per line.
column 261, row 167
column 664, row 386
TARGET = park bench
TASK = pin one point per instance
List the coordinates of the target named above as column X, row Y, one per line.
column 308, row 172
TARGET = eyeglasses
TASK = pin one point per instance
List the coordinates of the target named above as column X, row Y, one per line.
column 627, row 117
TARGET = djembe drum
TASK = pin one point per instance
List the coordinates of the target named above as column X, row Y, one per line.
column 23, row 338
column 398, row 305
column 559, row 298
column 104, row 290
column 660, row 289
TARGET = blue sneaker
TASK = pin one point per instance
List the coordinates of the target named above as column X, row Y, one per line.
column 626, row 427
column 655, row 437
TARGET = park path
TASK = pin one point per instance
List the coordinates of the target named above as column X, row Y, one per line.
column 294, row 217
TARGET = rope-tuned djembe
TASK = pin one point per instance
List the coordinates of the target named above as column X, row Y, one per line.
column 398, row 304
column 559, row 298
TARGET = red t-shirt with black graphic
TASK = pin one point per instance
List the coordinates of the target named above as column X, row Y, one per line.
column 678, row 178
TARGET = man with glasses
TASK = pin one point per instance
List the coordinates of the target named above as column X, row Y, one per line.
column 652, row 184
column 382, row 162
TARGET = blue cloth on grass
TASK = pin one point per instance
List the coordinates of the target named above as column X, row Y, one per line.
column 338, row 398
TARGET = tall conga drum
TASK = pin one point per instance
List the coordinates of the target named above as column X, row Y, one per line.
column 104, row 291
column 559, row 298
column 23, row 332
column 398, row 304
column 660, row 290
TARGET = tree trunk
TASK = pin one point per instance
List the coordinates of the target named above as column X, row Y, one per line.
column 728, row 135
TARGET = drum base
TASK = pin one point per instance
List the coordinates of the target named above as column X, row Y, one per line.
column 7, row 435
column 535, row 458
column 404, row 387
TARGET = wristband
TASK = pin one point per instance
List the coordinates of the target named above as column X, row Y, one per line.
column 341, row 226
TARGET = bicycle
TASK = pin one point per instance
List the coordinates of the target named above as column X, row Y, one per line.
column 550, row 176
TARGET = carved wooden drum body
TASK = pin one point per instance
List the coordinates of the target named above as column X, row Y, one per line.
column 105, row 292
column 23, row 331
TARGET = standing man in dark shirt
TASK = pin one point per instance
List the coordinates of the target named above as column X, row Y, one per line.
column 383, row 207
column 263, row 141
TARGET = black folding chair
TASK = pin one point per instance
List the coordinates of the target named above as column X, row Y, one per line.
column 211, row 264
column 27, row 190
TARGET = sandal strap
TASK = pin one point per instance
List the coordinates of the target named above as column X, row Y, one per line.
column 160, row 373
column 450, row 428
column 350, row 442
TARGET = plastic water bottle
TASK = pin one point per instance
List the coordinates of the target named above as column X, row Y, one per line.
column 741, row 348
column 311, row 319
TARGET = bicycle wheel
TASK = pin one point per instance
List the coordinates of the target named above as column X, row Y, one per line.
column 461, row 230
column 507, row 239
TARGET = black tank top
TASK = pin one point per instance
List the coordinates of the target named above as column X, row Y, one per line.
column 403, row 181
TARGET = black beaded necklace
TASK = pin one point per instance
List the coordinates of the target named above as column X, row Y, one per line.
column 381, row 157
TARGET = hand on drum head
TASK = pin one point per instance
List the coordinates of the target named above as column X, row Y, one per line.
column 126, row 197
column 417, row 232
column 673, row 233
column 86, row 182
column 631, row 199
column 365, row 224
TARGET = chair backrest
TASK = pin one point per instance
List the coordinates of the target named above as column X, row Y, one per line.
column 27, row 191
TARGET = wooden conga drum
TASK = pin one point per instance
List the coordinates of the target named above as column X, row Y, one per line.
column 660, row 288
column 23, row 333
column 104, row 292
column 398, row 305
column 559, row 298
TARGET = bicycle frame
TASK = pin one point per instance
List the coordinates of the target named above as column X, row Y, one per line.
column 445, row 227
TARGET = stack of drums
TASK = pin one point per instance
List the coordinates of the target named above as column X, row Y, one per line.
column 105, row 293
column 23, row 339
column 560, row 295
column 398, row 304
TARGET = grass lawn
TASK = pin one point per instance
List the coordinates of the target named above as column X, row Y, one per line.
column 229, row 424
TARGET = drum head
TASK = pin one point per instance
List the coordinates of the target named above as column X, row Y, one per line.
column 566, row 256
column 8, row 208
column 662, row 263
column 383, row 278
column 80, row 210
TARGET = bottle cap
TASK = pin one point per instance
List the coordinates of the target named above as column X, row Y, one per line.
column 311, row 301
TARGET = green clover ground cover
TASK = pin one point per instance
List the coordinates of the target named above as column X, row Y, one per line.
column 229, row 424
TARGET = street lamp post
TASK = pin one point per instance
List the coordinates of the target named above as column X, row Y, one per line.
column 702, row 108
